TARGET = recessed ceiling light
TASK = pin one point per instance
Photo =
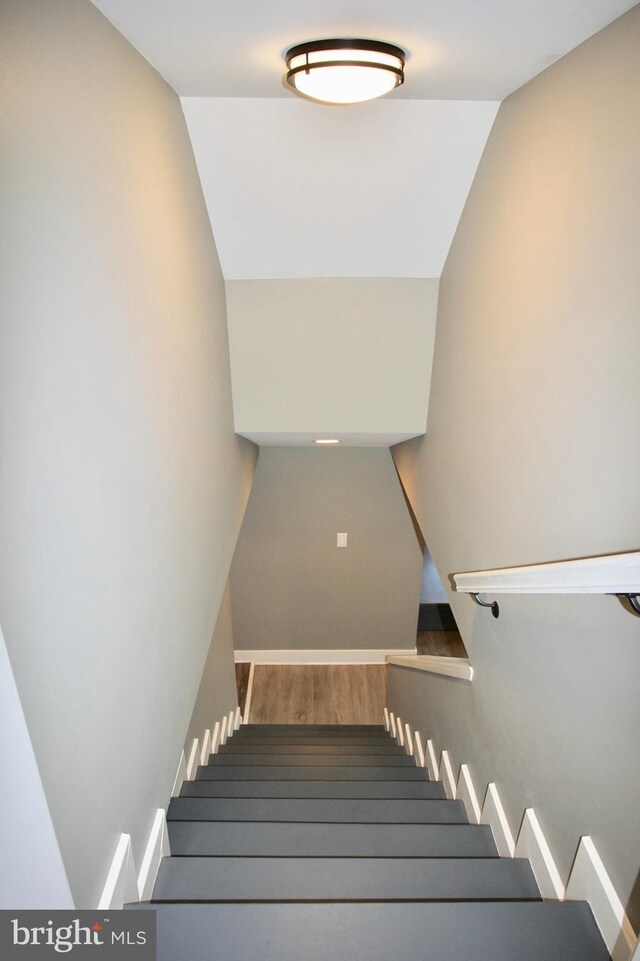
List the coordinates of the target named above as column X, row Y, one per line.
column 327, row 440
column 344, row 71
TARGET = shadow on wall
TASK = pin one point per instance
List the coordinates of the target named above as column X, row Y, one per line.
column 435, row 611
column 437, row 632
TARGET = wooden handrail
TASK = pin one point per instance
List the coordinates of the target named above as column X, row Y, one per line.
column 617, row 574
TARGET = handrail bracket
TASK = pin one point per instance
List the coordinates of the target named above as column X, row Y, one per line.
column 493, row 605
column 633, row 601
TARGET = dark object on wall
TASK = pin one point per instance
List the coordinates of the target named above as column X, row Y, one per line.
column 436, row 617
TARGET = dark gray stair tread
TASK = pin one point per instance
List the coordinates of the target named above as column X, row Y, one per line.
column 453, row 931
column 275, row 839
column 344, row 879
column 254, row 772
column 316, row 809
column 318, row 750
column 367, row 740
column 317, row 760
column 312, row 728
column 317, row 789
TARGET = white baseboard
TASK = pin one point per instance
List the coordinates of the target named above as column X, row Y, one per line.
column 532, row 844
column 327, row 656
column 493, row 815
column 181, row 775
column 432, row 762
column 215, row 738
column 247, row 700
column 447, row 776
column 408, row 740
column 121, row 886
column 467, row 794
column 419, row 749
column 589, row 881
column 392, row 724
column 209, row 744
column 157, row 848
column 206, row 742
column 192, row 763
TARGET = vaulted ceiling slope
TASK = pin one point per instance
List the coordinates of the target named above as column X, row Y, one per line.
column 296, row 189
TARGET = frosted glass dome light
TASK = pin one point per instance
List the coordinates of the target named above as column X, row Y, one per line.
column 344, row 71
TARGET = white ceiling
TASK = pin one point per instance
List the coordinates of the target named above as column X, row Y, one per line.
column 295, row 189
column 292, row 439
column 458, row 49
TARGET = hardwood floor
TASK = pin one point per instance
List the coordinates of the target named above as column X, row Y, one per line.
column 329, row 693
column 318, row 694
column 242, row 683
column 442, row 643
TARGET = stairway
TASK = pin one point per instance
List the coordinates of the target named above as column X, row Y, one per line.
column 321, row 843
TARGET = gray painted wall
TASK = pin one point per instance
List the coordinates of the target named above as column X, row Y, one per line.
column 292, row 587
column 432, row 590
column 218, row 693
column 532, row 453
column 122, row 484
column 325, row 341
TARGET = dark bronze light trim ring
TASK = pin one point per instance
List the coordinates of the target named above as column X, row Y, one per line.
column 346, row 43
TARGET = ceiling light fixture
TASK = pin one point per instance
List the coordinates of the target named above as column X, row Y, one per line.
column 344, row 71
column 327, row 440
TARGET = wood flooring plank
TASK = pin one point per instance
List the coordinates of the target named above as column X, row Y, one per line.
column 318, row 693
column 242, row 683
column 441, row 643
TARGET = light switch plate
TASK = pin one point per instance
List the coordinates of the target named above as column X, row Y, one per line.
column 342, row 540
